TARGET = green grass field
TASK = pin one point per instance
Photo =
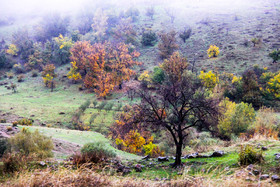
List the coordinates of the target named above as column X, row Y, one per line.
column 81, row 138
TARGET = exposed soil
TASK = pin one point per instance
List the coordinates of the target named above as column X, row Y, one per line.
column 64, row 148
column 5, row 133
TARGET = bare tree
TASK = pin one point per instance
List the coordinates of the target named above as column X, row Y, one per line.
column 171, row 14
column 167, row 44
column 177, row 106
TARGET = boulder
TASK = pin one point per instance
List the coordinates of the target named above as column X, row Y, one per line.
column 277, row 156
column 42, row 163
column 264, row 148
column 275, row 178
column 163, row 159
column 264, row 177
column 256, row 172
column 217, row 154
column 138, row 168
column 193, row 155
column 146, row 157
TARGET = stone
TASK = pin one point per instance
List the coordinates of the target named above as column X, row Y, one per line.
column 217, row 154
column 264, row 177
column 248, row 179
column 120, row 168
column 138, row 168
column 250, row 173
column 193, row 155
column 42, row 163
column 61, row 113
column 256, row 172
column 126, row 170
column 264, row 148
column 277, row 156
column 163, row 159
column 146, row 157
column 275, row 178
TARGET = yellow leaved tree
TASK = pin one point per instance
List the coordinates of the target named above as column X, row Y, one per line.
column 213, row 51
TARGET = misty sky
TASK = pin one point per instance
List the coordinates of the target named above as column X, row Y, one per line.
column 42, row 6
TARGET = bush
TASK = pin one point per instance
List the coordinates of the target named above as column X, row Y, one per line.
column 23, row 43
column 84, row 106
column 32, row 144
column 158, row 75
column 185, row 34
column 248, row 155
column 153, row 150
column 62, row 46
column 236, row 118
column 13, row 162
column 20, row 78
column 17, row 68
column 213, row 51
column 34, row 73
column 3, row 59
column 167, row 44
column 94, row 152
column 149, row 38
column 3, row 120
column 51, row 26
column 204, row 142
column 10, row 75
column 275, row 55
column 266, row 124
column 3, row 146
column 256, row 41
column 25, row 122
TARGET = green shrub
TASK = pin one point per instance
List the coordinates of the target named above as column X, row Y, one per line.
column 158, row 75
column 3, row 59
column 32, row 144
column 25, row 122
column 236, row 118
column 84, row 106
column 101, row 105
column 185, row 34
column 3, row 146
column 108, row 106
column 94, row 152
column 149, row 38
column 248, row 155
column 275, row 55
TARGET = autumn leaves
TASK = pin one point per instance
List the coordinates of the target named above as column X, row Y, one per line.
column 103, row 66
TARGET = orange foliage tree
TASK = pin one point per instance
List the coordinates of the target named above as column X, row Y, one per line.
column 175, row 66
column 104, row 66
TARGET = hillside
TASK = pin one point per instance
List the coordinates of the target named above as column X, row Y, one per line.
column 140, row 93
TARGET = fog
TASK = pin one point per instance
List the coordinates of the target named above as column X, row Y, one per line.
column 31, row 7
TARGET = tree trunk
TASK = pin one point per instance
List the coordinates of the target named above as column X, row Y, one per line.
column 178, row 161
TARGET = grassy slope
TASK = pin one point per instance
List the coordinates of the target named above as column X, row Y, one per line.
column 33, row 98
column 214, row 167
column 81, row 138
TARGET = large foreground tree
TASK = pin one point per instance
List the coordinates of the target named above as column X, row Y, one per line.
column 177, row 105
